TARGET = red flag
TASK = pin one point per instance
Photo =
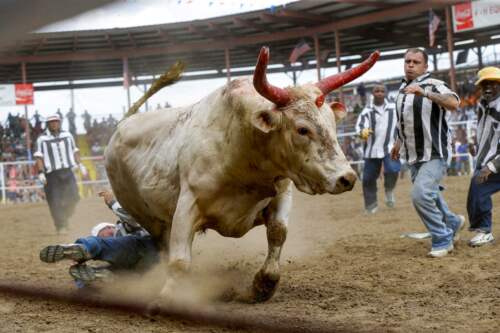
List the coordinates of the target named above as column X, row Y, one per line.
column 301, row 48
column 433, row 26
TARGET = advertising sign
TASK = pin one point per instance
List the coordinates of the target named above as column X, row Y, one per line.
column 7, row 95
column 475, row 14
column 24, row 93
column 16, row 94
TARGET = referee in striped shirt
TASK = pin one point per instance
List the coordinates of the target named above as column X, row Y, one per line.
column 56, row 155
column 425, row 142
column 486, row 179
column 376, row 126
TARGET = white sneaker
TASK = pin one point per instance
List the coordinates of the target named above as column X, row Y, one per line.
column 389, row 199
column 481, row 238
column 441, row 252
column 371, row 210
column 456, row 236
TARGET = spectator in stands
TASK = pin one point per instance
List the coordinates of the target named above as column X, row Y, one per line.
column 376, row 126
column 423, row 132
column 87, row 121
column 361, row 90
column 71, row 121
column 37, row 129
column 486, row 179
column 59, row 113
column 461, row 149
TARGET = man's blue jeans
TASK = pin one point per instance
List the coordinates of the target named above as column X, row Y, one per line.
column 429, row 203
column 479, row 203
column 123, row 253
column 371, row 171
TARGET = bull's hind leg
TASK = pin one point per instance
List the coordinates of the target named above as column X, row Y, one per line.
column 276, row 221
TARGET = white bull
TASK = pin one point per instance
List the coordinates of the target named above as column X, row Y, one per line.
column 227, row 163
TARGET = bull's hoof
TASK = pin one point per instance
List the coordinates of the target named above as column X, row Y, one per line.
column 264, row 286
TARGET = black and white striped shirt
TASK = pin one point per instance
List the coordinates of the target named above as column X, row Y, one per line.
column 488, row 135
column 57, row 152
column 382, row 120
column 422, row 125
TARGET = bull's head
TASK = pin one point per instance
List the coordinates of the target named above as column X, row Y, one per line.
column 304, row 129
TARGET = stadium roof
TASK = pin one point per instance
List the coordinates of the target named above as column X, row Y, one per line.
column 206, row 45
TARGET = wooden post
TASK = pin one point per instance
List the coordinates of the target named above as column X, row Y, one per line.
column 72, row 96
column 318, row 57
column 339, row 65
column 449, row 37
column 126, row 80
column 146, row 105
column 228, row 64
column 27, row 128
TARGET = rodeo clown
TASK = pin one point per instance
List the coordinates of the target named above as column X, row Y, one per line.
column 56, row 155
column 486, row 179
column 125, row 246
column 376, row 125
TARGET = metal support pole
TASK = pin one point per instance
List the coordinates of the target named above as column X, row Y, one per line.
column 27, row 128
column 2, row 177
column 294, row 73
column 435, row 62
column 339, row 66
column 480, row 56
column 449, row 37
column 126, row 80
column 468, row 127
column 228, row 64
column 318, row 57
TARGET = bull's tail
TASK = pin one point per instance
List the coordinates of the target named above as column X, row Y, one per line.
column 173, row 74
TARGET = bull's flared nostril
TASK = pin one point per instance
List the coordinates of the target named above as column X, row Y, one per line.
column 346, row 182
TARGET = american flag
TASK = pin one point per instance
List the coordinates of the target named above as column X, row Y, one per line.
column 433, row 26
column 301, row 48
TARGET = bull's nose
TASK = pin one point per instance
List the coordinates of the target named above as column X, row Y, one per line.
column 346, row 181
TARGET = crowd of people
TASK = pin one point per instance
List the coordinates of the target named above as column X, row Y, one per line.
column 20, row 177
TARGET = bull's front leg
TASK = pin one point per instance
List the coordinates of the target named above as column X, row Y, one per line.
column 181, row 239
column 276, row 220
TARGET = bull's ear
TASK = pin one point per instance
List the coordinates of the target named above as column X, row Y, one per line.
column 266, row 120
column 339, row 111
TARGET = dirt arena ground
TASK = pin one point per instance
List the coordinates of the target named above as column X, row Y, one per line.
column 341, row 271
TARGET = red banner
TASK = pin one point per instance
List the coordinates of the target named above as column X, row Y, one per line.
column 476, row 15
column 24, row 93
column 464, row 19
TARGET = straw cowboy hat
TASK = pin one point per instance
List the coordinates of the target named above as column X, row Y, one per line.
column 53, row 117
column 488, row 73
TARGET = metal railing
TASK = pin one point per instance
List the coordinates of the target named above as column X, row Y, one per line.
column 10, row 188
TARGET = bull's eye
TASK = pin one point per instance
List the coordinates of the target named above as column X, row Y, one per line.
column 303, row 131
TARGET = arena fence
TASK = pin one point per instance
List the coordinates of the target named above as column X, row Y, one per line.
column 19, row 182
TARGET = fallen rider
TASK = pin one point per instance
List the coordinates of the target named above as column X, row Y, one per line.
column 125, row 246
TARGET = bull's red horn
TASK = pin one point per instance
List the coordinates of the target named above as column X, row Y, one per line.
column 334, row 81
column 278, row 96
